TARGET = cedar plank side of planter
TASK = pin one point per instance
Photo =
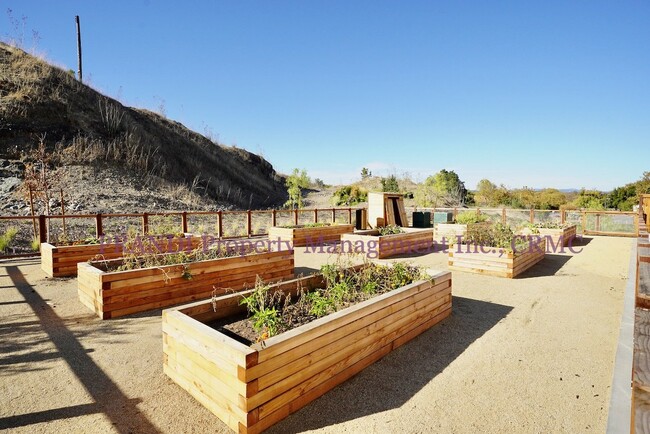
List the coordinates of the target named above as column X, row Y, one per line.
column 251, row 388
column 113, row 294
column 554, row 236
column 61, row 261
column 304, row 236
column 491, row 261
column 384, row 246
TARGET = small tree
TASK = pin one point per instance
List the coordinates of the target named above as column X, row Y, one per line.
column 295, row 183
column 390, row 184
column 365, row 173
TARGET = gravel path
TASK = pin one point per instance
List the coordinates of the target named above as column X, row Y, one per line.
column 533, row 354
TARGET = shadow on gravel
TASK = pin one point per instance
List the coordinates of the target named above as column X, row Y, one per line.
column 393, row 380
column 549, row 266
column 107, row 396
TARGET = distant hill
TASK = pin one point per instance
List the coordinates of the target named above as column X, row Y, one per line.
column 89, row 129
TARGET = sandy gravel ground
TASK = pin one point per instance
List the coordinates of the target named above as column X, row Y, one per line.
column 534, row 354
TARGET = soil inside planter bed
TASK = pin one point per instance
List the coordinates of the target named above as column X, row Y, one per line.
column 295, row 313
column 240, row 327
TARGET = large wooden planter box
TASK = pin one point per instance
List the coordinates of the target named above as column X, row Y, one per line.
column 303, row 236
column 384, row 246
column 489, row 260
column 61, row 261
column 252, row 387
column 559, row 237
column 113, row 294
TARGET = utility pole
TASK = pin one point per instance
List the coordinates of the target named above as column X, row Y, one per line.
column 76, row 18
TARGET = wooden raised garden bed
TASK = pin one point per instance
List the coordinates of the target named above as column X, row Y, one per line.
column 118, row 293
column 61, row 261
column 384, row 246
column 252, row 387
column 559, row 237
column 301, row 236
column 495, row 261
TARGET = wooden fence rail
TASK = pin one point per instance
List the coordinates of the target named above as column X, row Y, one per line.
column 230, row 224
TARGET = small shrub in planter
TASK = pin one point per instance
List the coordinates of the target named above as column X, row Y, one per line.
column 496, row 250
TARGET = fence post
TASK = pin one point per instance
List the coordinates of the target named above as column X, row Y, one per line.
column 65, row 234
column 563, row 216
column 99, row 225
column 333, row 215
column 478, row 211
column 455, row 213
column 184, row 222
column 349, row 216
column 274, row 218
column 532, row 216
column 248, row 223
column 597, row 222
column 145, row 223
column 503, row 216
column 219, row 224
column 42, row 229
column 295, row 216
column 315, row 215
column 584, row 222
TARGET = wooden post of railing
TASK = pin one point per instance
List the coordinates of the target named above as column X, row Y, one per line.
column 295, row 216
column 184, row 222
column 532, row 216
column 31, row 206
column 249, row 226
column 597, row 222
column 349, row 216
column 42, row 229
column 584, row 222
column 478, row 211
column 563, row 216
column 219, row 224
column 65, row 233
column 455, row 213
column 99, row 225
column 274, row 218
column 333, row 215
column 503, row 216
column 315, row 215
column 145, row 223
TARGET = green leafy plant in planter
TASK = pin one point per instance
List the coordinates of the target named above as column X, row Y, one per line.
column 497, row 235
column 271, row 313
column 390, row 230
column 548, row 225
column 470, row 217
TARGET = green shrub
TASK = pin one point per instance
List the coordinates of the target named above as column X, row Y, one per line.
column 7, row 238
column 497, row 235
column 349, row 195
column 469, row 217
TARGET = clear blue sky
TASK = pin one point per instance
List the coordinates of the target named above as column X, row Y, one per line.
column 535, row 93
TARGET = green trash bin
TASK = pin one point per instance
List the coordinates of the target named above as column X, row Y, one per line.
column 421, row 219
column 443, row 217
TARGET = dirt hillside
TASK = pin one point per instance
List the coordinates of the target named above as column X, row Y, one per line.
column 81, row 127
